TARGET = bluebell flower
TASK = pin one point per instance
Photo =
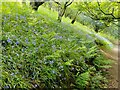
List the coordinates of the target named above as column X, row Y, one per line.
column 26, row 40
column 17, row 43
column 42, row 44
column 51, row 62
column 36, row 49
column 73, row 68
column 64, row 78
column 53, row 46
column 17, row 54
column 53, row 72
column 8, row 40
column 58, row 37
column 12, row 74
column 6, row 87
column 22, row 50
column 60, row 67
column 22, row 17
column 60, row 75
column 35, row 85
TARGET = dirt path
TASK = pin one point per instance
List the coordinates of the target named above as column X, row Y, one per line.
column 113, row 83
column 114, row 80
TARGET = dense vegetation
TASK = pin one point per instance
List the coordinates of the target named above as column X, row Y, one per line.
column 40, row 52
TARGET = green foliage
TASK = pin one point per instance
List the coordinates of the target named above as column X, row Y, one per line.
column 96, row 81
column 101, row 63
column 83, row 80
column 38, row 52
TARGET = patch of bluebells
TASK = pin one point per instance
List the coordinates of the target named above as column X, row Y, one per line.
column 59, row 37
column 22, row 17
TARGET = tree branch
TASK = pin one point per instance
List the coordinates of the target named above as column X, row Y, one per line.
column 69, row 3
column 112, row 13
column 57, row 2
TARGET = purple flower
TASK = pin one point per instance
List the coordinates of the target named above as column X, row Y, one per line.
column 51, row 62
column 17, row 43
column 12, row 74
column 58, row 37
column 42, row 44
column 73, row 68
column 6, row 87
column 8, row 40
column 26, row 40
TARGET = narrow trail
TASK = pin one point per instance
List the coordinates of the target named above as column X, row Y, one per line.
column 113, row 71
column 113, row 83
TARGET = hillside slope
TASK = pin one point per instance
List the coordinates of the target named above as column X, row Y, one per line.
column 39, row 52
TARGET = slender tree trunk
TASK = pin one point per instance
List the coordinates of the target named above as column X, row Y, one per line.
column 73, row 21
column 61, row 14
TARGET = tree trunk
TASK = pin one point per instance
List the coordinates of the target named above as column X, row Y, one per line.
column 73, row 21
column 35, row 5
column 61, row 14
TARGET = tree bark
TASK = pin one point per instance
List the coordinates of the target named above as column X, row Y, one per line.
column 35, row 5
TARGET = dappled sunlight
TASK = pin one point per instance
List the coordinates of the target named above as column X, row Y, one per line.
column 112, row 54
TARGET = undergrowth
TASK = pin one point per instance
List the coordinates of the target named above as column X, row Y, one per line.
column 39, row 52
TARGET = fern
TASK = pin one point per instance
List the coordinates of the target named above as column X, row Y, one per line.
column 82, row 80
